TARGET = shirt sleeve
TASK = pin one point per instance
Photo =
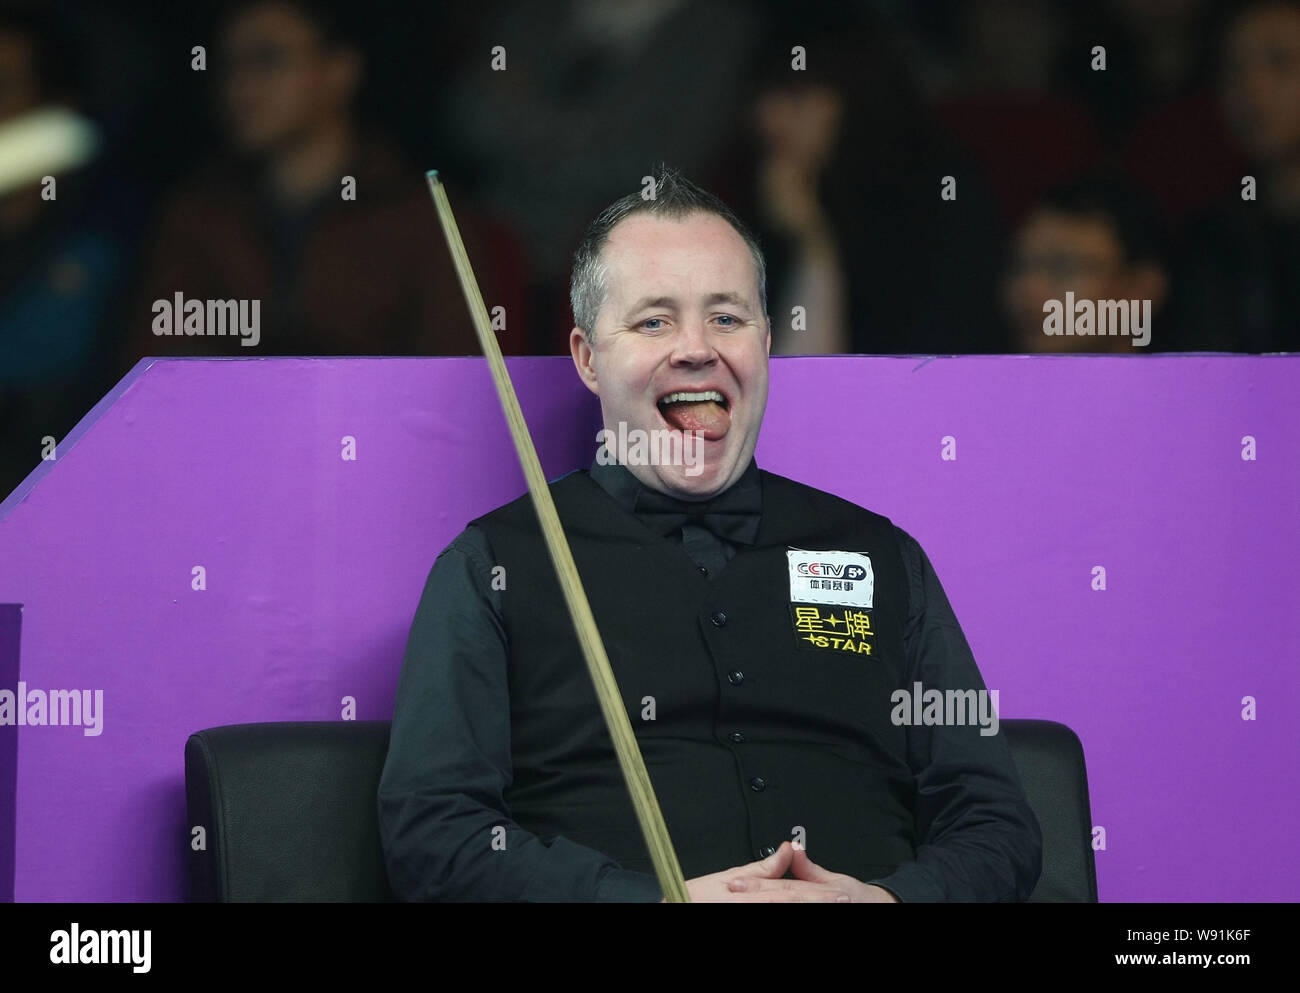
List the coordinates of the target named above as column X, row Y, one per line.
column 444, row 826
column 977, row 838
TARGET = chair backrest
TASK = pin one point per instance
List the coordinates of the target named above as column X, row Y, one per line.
column 1049, row 757
column 290, row 811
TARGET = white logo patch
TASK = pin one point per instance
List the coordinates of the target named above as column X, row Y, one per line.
column 843, row 578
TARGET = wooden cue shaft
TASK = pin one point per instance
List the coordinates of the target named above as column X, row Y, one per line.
column 593, row 649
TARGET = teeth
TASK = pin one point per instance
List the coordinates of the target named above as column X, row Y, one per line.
column 706, row 395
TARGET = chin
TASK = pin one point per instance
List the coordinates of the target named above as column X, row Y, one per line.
column 710, row 478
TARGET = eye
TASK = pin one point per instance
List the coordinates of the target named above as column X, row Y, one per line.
column 652, row 320
column 732, row 322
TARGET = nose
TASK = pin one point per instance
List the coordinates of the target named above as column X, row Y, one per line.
column 692, row 344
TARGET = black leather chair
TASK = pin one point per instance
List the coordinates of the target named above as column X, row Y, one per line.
column 289, row 811
column 1049, row 757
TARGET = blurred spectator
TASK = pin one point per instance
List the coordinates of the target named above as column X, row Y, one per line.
column 1239, row 284
column 61, row 252
column 1160, row 101
column 334, row 275
column 1160, row 53
column 842, row 180
column 1097, row 239
column 799, row 127
column 1006, row 98
column 587, row 98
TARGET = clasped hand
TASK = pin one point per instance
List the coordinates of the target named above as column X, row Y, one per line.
column 763, row 882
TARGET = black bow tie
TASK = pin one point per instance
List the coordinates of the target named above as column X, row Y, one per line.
column 732, row 515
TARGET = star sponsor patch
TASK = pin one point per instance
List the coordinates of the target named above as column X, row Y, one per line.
column 830, row 600
column 818, row 627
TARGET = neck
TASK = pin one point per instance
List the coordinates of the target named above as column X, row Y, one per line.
column 314, row 163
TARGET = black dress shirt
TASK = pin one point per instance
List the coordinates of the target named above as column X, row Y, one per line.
column 452, row 716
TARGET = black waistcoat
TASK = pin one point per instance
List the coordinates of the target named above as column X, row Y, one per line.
column 770, row 721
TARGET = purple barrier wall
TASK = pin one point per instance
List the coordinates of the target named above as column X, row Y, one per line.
column 11, row 620
column 314, row 565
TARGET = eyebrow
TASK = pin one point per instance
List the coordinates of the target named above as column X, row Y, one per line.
column 712, row 299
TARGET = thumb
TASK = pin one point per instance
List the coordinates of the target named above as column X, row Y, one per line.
column 805, row 868
column 776, row 864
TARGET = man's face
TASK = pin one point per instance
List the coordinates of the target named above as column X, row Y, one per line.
column 1261, row 92
column 681, row 314
column 1055, row 253
column 281, row 81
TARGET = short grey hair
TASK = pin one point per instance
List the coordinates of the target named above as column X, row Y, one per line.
column 675, row 197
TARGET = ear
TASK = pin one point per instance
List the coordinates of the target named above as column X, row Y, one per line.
column 583, row 357
column 768, row 344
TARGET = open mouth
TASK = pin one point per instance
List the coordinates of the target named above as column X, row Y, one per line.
column 707, row 411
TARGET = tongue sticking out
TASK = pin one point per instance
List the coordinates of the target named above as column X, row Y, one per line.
column 708, row 416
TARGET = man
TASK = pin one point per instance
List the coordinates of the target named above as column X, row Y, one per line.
column 1097, row 239
column 310, row 211
column 1238, row 284
column 761, row 699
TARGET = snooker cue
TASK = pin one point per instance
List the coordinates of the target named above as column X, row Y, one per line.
column 653, row 828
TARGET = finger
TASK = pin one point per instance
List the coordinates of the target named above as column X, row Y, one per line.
column 774, row 866
column 793, row 896
column 759, row 884
column 805, row 868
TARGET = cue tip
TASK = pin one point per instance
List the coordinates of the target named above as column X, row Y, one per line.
column 431, row 174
